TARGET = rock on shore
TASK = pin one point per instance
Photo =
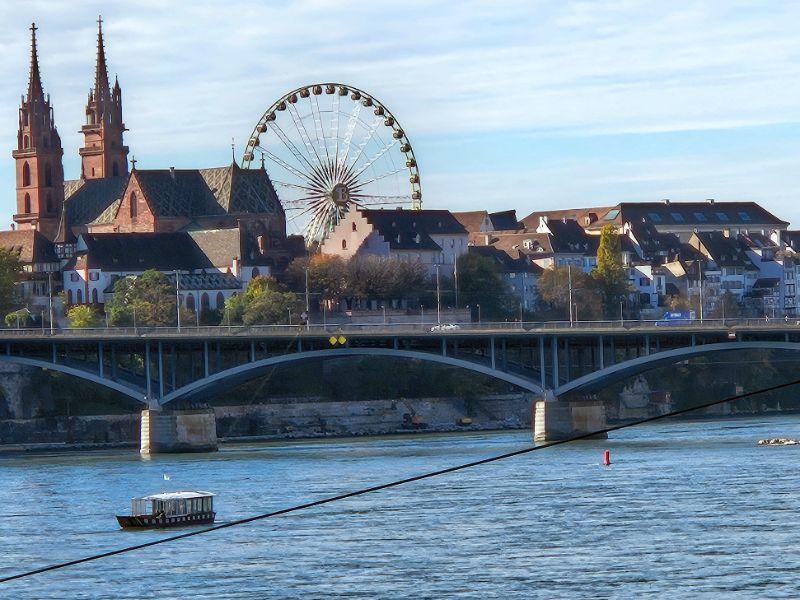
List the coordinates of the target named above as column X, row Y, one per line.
column 778, row 442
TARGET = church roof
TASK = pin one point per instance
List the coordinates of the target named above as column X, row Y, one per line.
column 88, row 199
column 208, row 192
column 29, row 244
column 141, row 251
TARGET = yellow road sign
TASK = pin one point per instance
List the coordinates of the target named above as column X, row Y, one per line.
column 342, row 339
column 332, row 340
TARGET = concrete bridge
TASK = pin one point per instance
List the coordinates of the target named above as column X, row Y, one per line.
column 165, row 369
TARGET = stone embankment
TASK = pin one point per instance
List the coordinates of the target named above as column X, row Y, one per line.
column 778, row 442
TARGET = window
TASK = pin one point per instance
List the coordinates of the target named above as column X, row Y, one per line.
column 354, row 225
column 114, row 169
column 654, row 217
column 677, row 217
column 722, row 216
column 73, row 276
column 701, row 218
column 26, row 175
column 644, row 282
column 611, row 215
column 94, row 296
column 69, row 296
column 26, row 205
column 255, row 272
column 134, row 204
column 190, row 302
column 26, row 141
column 79, row 297
column 49, row 204
column 744, row 216
column 220, row 300
column 790, row 289
column 48, row 176
column 204, row 302
column 94, row 276
column 344, row 244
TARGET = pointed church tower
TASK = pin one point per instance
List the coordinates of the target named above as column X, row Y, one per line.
column 103, row 153
column 40, row 173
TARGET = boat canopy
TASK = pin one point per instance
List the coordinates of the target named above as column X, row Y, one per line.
column 182, row 495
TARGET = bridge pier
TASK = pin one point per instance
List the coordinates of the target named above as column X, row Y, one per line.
column 175, row 431
column 556, row 420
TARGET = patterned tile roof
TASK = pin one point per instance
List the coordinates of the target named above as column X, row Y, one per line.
column 87, row 199
column 30, row 245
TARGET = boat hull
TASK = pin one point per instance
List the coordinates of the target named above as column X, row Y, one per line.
column 161, row 522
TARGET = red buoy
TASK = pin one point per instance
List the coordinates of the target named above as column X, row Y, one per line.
column 606, row 458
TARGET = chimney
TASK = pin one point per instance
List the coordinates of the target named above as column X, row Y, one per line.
column 13, row 226
column 172, row 173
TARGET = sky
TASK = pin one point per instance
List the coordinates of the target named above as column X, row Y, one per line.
column 530, row 105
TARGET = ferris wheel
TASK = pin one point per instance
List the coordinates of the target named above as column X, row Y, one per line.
column 332, row 147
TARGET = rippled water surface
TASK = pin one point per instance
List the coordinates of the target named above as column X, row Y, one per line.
column 688, row 509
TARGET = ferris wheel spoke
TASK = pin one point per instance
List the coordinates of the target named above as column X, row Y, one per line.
column 318, row 124
column 301, row 129
column 379, row 177
column 279, row 161
column 293, row 185
column 351, row 127
column 363, row 143
column 289, row 144
column 375, row 199
column 372, row 160
column 335, row 127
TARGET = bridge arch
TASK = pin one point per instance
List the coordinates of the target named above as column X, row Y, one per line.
column 128, row 390
column 643, row 364
column 243, row 373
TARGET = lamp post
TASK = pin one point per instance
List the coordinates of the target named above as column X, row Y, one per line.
column 569, row 280
column 421, row 315
column 621, row 317
column 308, row 311
column 438, row 298
column 177, row 298
column 455, row 279
column 479, row 313
column 50, row 298
column 383, row 306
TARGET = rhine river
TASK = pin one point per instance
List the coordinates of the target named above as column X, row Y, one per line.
column 688, row 509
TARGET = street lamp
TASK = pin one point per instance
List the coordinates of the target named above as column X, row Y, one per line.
column 383, row 306
column 177, row 298
column 438, row 298
column 569, row 279
column 50, row 298
column 479, row 312
column 308, row 311
column 421, row 315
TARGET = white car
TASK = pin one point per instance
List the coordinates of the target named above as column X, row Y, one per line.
column 445, row 327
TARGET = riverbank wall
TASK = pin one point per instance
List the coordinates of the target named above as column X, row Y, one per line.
column 283, row 418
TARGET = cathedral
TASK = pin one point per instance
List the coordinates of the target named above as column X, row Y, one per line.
column 219, row 226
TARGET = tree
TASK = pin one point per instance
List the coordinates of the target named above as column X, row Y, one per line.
column 726, row 307
column 264, row 302
column 553, row 289
column 327, row 276
column 81, row 316
column 150, row 297
column 18, row 318
column 383, row 278
column 609, row 272
column 479, row 282
column 10, row 269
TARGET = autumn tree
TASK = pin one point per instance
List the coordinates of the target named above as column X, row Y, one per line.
column 382, row 278
column 553, row 289
column 609, row 272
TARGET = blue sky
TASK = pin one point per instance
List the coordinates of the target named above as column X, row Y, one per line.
column 509, row 104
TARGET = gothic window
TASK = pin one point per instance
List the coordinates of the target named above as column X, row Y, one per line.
column 204, row 302
column 92, row 171
column 79, row 297
column 26, row 141
column 69, row 296
column 26, row 209
column 344, row 244
column 48, row 176
column 190, row 302
column 24, row 118
column 220, row 300
column 114, row 169
column 94, row 296
column 26, row 175
column 134, row 205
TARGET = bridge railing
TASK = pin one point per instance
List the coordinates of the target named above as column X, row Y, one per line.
column 205, row 331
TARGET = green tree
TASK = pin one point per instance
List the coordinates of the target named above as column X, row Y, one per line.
column 149, row 296
column 480, row 282
column 81, row 316
column 553, row 289
column 10, row 269
column 609, row 272
column 17, row 318
column 264, row 302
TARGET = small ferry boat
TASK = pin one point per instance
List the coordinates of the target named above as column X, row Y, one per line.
column 170, row 509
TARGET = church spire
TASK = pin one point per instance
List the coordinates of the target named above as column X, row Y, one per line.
column 35, row 90
column 101, row 88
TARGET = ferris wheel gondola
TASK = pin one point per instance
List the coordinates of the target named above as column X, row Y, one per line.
column 332, row 147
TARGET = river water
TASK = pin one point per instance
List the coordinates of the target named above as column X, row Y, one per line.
column 688, row 509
